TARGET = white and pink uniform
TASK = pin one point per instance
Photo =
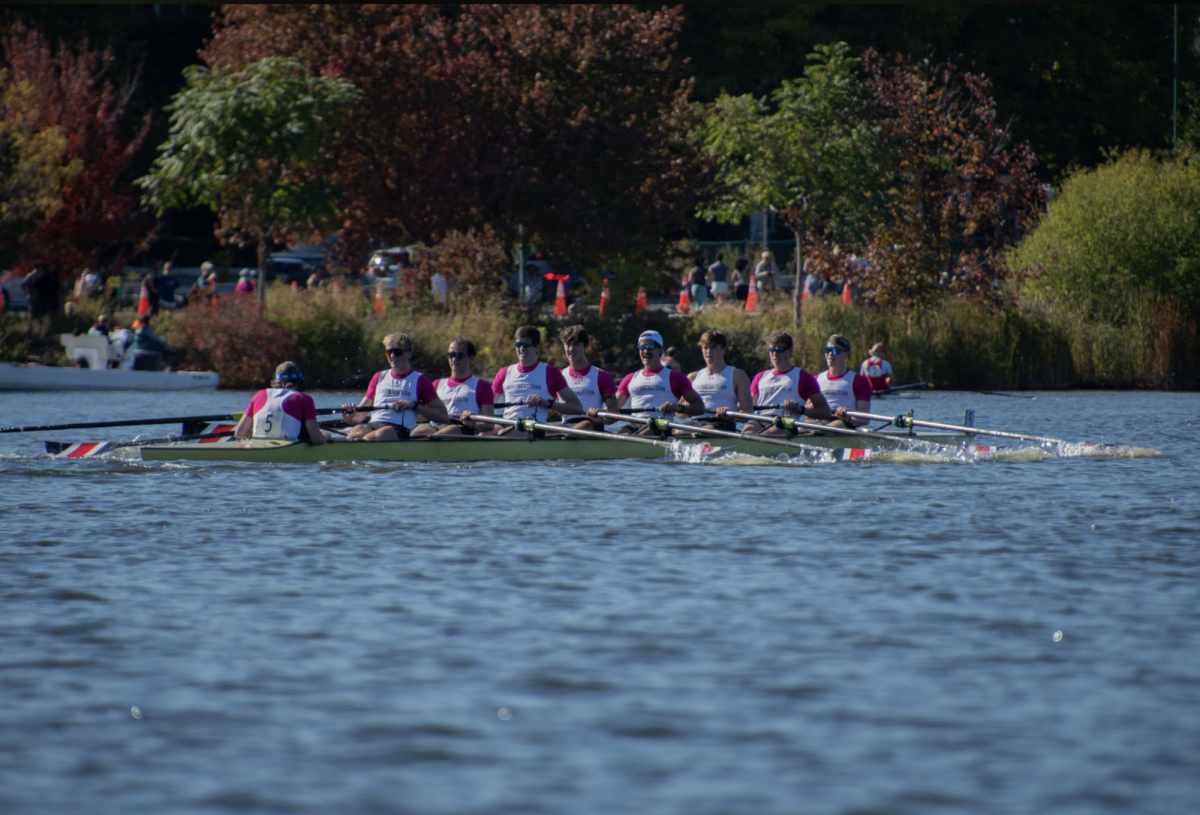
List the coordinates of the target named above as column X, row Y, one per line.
column 877, row 370
column 774, row 388
column 386, row 388
column 463, row 394
column 647, row 391
column 280, row 413
column 716, row 390
column 591, row 385
column 845, row 390
column 517, row 384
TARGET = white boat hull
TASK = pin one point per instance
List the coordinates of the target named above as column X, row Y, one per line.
column 39, row 378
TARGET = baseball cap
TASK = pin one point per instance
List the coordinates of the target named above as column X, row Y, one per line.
column 653, row 336
column 878, row 347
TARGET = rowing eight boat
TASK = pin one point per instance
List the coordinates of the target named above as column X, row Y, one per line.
column 499, row 448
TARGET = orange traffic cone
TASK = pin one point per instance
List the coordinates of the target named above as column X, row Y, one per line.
column 804, row 294
column 846, row 293
column 380, row 308
column 604, row 298
column 295, row 289
column 336, row 289
column 560, row 301
column 641, row 300
column 752, row 297
column 685, row 302
column 143, row 303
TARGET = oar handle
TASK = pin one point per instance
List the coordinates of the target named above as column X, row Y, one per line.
column 529, row 425
column 663, row 424
column 628, row 411
column 906, row 420
column 787, row 421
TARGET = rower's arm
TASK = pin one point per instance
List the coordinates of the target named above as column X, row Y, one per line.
column 862, row 407
column 570, row 402
column 817, row 407
column 741, row 389
column 245, row 427
column 315, row 434
column 612, row 406
column 435, row 410
column 691, row 404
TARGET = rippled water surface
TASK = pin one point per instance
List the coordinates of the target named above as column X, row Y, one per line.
column 1014, row 634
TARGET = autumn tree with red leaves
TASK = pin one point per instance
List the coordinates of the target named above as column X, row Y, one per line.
column 69, row 94
column 568, row 119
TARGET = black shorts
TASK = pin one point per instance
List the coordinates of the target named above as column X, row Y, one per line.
column 401, row 431
column 595, row 425
column 718, row 424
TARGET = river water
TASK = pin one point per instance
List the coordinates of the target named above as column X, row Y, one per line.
column 1009, row 634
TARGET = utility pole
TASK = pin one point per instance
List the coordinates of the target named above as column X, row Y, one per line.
column 1175, row 84
column 797, row 295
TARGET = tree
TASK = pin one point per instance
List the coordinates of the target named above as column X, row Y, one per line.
column 816, row 158
column 569, row 119
column 65, row 96
column 958, row 193
column 251, row 145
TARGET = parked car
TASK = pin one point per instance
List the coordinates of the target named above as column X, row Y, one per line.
column 289, row 267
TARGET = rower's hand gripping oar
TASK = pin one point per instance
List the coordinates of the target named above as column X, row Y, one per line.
column 906, row 420
column 788, row 423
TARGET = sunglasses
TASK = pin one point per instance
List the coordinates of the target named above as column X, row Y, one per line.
column 456, row 355
column 833, row 352
column 395, row 352
column 647, row 347
column 523, row 344
column 778, row 349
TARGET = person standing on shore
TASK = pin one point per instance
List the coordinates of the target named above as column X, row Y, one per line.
column 697, row 284
column 765, row 271
column 718, row 274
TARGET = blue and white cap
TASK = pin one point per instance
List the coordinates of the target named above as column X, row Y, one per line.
column 653, row 336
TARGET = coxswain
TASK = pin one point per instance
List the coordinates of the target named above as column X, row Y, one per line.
column 655, row 390
column 877, row 369
column 532, row 388
column 462, row 393
column 282, row 411
column 720, row 385
column 594, row 387
column 150, row 351
column 399, row 399
column 842, row 388
column 784, row 389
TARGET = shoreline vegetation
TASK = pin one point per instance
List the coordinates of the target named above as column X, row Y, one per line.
column 952, row 343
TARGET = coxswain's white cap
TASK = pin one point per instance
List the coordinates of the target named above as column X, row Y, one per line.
column 653, row 336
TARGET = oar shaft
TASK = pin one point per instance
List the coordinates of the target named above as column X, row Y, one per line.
column 569, row 431
column 906, row 421
column 125, row 423
column 816, row 428
column 704, row 431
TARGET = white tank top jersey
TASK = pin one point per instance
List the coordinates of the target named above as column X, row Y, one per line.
column 270, row 422
column 775, row 389
column 648, row 391
column 391, row 389
column 459, row 398
column 518, row 386
column 838, row 392
column 716, row 390
column 586, row 387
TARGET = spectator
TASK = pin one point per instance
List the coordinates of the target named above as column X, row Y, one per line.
column 318, row 278
column 167, row 284
column 150, row 351
column 101, row 327
column 41, row 287
column 206, row 283
column 150, row 284
column 765, row 271
column 696, row 282
column 718, row 273
column 244, row 285
column 440, row 289
column 741, row 279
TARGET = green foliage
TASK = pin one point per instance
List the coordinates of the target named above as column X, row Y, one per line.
column 1118, row 232
column 251, row 145
column 817, row 152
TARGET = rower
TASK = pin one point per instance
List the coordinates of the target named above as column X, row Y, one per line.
column 790, row 390
column 282, row 411
column 532, row 388
column 400, row 397
column 462, row 393
column 594, row 387
column 670, row 360
column 877, row 369
column 648, row 391
column 842, row 388
column 720, row 385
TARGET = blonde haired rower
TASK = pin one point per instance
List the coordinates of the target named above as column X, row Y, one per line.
column 400, row 398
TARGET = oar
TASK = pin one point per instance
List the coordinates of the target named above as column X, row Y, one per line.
column 637, row 410
column 902, row 388
column 223, row 417
column 529, row 424
column 663, row 424
column 789, row 423
column 907, row 421
column 56, row 447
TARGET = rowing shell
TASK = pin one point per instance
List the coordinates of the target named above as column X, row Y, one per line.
column 493, row 448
